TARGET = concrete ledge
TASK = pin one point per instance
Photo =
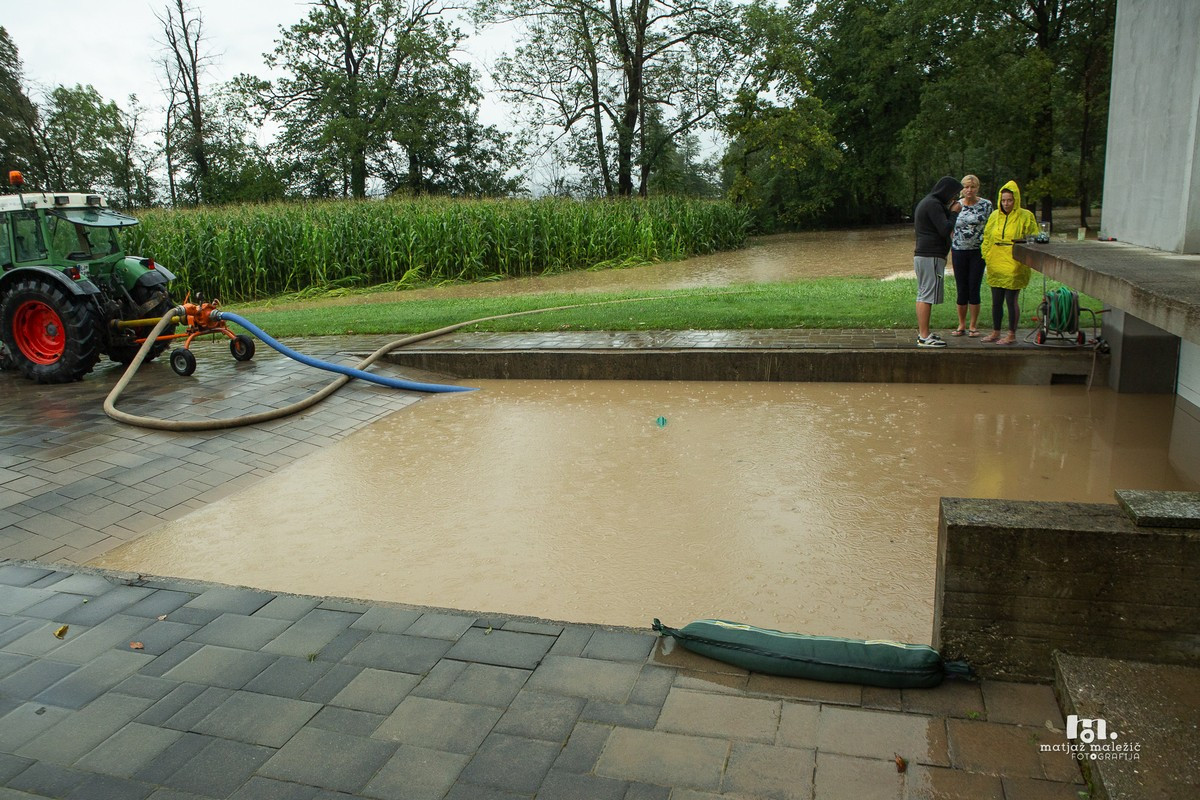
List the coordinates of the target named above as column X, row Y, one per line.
column 950, row 365
column 1017, row 581
column 1159, row 287
column 1152, row 709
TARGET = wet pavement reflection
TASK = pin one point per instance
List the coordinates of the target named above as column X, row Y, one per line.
column 807, row 507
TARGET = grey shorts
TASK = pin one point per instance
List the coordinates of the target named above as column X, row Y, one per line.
column 931, row 278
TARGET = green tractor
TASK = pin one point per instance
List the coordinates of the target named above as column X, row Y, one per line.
column 66, row 280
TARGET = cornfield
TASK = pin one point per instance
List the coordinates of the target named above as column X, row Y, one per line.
column 250, row 252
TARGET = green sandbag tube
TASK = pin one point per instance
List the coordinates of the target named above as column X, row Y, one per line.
column 892, row 665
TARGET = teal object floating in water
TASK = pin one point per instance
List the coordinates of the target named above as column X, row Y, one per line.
column 661, row 422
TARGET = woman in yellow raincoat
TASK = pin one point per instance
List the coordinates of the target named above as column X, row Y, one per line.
column 1007, row 276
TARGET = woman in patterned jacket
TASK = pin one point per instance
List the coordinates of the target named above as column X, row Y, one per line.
column 966, row 256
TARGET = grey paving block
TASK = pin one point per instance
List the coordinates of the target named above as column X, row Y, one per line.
column 220, row 666
column 342, row 644
column 197, row 709
column 105, row 787
column 586, row 677
column 170, row 659
column 13, row 600
column 398, row 652
column 626, row 715
column 347, row 606
column 227, row 599
column 129, row 750
column 287, row 607
column 48, row 780
column 85, row 584
column 720, row 716
column 257, row 718
column 170, row 703
column 619, row 646
column 512, row 763
column 173, row 757
column 647, row 791
column 768, row 771
column 15, row 629
column 669, row 759
column 54, row 607
column 381, row 619
column 220, row 768
column 241, row 632
column 310, row 633
column 473, row 791
column 329, row 760
column 537, row 715
column 26, row 722
column 288, row 677
column 11, row 766
column 501, row 648
column 525, row 626
column 440, row 626
column 19, row 575
column 80, row 731
column 583, row 748
column 35, row 678
column 160, row 636
column 328, row 685
column 416, row 773
column 93, row 679
column 653, row 685
column 377, row 691
column 440, row 679
column 99, row 608
column 174, row 794
column 570, row 786
column 260, row 788
column 572, row 640
column 438, row 724
column 347, row 720
column 158, row 603
column 194, row 616
column 487, row 685
column 147, row 686
column 116, row 631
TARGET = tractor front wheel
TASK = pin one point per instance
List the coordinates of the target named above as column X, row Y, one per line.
column 49, row 333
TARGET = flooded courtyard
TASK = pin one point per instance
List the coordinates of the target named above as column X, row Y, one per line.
column 807, row 507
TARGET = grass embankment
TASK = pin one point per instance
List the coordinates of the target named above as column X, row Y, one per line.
column 818, row 303
column 243, row 253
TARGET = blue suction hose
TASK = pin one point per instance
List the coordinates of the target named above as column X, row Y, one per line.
column 382, row 380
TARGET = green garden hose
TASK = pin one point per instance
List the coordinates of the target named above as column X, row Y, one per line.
column 1061, row 310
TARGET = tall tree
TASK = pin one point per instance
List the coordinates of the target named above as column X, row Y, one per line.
column 184, row 66
column 621, row 81
column 18, row 114
column 371, row 84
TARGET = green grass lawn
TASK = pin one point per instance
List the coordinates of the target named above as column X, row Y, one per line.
column 817, row 303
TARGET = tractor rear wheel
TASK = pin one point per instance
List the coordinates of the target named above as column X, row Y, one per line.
column 49, row 333
column 156, row 300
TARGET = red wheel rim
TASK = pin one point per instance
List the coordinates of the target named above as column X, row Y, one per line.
column 38, row 331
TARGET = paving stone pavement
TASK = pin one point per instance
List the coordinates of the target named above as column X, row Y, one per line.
column 246, row 694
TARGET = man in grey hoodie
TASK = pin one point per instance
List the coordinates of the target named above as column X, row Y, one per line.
column 933, row 220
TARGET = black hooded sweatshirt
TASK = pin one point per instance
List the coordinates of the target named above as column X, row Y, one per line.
column 933, row 221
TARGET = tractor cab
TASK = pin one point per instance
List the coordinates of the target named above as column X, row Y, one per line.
column 65, row 279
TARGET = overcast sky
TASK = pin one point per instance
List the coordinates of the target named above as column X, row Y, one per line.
column 114, row 44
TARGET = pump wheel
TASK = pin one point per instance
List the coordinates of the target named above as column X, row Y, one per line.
column 151, row 301
column 49, row 333
column 182, row 361
column 242, row 347
column 1081, row 337
column 1040, row 337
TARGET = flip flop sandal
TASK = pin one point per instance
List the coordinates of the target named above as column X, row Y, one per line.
column 957, row 332
column 972, row 333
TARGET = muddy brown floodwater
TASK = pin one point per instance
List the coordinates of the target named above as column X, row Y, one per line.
column 803, row 506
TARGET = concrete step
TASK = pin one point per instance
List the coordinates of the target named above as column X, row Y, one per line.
column 1149, row 745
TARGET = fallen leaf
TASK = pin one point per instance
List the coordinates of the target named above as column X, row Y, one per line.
column 901, row 763
column 136, row 646
column 161, row 617
column 61, row 632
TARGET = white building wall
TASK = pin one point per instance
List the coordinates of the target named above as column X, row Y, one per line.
column 1152, row 165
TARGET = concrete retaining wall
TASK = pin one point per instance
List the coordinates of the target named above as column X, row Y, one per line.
column 1017, row 581
column 1007, row 366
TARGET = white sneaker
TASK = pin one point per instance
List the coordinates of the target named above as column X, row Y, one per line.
column 930, row 341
